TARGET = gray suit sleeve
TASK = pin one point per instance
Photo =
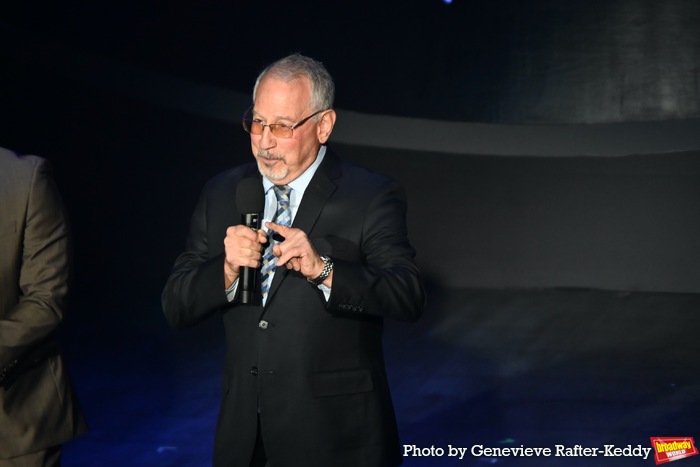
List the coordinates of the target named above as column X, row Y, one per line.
column 43, row 272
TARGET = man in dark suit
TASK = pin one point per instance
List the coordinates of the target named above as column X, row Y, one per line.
column 304, row 379
column 38, row 408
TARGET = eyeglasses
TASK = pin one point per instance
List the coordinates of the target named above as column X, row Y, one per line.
column 279, row 130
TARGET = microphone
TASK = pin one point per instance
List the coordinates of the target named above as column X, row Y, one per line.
column 250, row 200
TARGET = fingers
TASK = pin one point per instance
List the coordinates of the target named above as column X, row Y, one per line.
column 243, row 247
column 293, row 247
column 294, row 264
column 288, row 255
column 296, row 251
column 262, row 237
column 279, row 228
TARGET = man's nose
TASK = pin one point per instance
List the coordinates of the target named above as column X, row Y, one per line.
column 267, row 139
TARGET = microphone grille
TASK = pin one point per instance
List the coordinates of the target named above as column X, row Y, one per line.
column 250, row 197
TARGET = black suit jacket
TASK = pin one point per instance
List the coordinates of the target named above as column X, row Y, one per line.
column 314, row 370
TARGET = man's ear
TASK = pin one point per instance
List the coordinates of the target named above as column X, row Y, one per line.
column 325, row 125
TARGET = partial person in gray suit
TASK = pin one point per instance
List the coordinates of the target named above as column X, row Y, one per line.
column 38, row 407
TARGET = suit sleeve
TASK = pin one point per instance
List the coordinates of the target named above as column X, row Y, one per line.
column 386, row 282
column 43, row 275
column 195, row 288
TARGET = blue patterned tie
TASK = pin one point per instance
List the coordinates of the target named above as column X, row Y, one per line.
column 283, row 216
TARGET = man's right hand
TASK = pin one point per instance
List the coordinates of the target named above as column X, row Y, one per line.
column 243, row 247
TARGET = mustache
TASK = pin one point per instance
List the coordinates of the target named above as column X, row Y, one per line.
column 263, row 154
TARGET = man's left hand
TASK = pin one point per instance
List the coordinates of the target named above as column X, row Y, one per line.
column 296, row 252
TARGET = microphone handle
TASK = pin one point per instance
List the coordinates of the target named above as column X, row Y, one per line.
column 249, row 275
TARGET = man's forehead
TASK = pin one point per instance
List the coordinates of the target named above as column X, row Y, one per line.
column 282, row 99
column 298, row 87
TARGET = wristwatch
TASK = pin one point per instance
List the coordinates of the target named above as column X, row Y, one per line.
column 327, row 268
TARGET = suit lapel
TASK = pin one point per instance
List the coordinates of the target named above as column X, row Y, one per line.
column 316, row 195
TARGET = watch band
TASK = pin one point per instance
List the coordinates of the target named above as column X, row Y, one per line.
column 327, row 268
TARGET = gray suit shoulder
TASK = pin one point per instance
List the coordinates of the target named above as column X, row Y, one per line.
column 14, row 164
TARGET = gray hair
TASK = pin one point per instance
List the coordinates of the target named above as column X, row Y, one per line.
column 295, row 66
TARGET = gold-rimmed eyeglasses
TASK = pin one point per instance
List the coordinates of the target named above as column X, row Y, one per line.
column 279, row 130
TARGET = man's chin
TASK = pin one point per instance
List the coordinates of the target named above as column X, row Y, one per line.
column 271, row 174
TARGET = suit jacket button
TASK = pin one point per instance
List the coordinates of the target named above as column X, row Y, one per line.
column 254, row 371
column 262, row 324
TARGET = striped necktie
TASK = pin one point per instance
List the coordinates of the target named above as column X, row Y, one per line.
column 283, row 216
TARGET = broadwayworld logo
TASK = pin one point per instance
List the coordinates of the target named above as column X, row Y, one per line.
column 673, row 449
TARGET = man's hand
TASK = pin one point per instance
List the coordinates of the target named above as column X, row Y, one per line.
column 243, row 247
column 297, row 252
